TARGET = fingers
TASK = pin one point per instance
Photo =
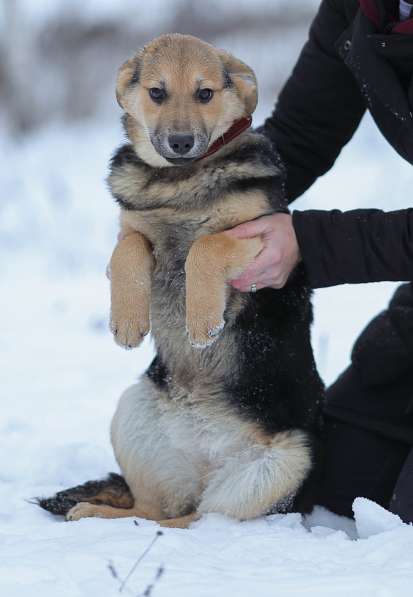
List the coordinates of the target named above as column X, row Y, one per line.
column 263, row 273
column 264, row 265
column 269, row 257
column 251, row 275
column 279, row 256
column 250, row 229
column 266, row 280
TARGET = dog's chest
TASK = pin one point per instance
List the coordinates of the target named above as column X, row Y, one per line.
column 191, row 208
column 171, row 232
column 172, row 236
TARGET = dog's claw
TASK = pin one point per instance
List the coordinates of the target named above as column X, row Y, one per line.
column 216, row 330
column 200, row 339
column 129, row 333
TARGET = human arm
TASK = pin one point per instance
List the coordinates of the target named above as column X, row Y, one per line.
column 320, row 106
column 362, row 245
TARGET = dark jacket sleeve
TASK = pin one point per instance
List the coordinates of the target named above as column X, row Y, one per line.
column 320, row 106
column 364, row 245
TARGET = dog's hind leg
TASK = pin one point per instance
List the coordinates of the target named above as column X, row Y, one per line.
column 252, row 482
column 181, row 522
column 87, row 510
column 112, row 491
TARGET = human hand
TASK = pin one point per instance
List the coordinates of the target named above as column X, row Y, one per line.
column 280, row 255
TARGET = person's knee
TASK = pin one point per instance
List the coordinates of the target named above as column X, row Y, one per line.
column 358, row 463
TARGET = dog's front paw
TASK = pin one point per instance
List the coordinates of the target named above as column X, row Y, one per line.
column 202, row 334
column 82, row 510
column 129, row 329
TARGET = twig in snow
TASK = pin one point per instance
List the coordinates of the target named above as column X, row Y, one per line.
column 139, row 560
column 112, row 570
column 148, row 591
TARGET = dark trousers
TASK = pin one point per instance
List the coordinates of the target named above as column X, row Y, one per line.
column 362, row 463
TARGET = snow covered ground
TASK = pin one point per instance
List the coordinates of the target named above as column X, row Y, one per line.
column 61, row 375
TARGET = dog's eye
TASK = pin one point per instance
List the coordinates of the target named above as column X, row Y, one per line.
column 157, row 94
column 205, row 95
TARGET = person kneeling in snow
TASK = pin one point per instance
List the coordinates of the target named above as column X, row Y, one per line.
column 359, row 56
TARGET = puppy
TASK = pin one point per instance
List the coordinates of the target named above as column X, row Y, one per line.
column 227, row 416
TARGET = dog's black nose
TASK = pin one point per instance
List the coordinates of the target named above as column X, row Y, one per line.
column 181, row 143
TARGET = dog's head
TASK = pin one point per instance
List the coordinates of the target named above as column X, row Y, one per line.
column 180, row 95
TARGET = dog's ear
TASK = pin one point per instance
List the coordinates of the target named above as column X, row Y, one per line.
column 128, row 74
column 240, row 75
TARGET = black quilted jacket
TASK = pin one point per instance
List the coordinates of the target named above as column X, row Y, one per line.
column 356, row 58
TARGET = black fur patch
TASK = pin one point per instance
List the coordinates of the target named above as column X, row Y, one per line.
column 270, row 185
column 126, row 205
column 158, row 373
column 136, row 75
column 261, row 153
column 63, row 501
column 277, row 382
column 228, row 82
column 125, row 155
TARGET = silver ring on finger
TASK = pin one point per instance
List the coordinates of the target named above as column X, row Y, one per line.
column 253, row 288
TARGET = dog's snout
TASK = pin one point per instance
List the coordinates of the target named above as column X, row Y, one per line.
column 181, row 143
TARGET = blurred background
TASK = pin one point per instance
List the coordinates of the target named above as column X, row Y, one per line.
column 59, row 58
column 59, row 124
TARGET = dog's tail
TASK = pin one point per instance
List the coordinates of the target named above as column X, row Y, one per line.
column 112, row 491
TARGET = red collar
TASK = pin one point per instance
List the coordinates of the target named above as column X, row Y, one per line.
column 236, row 129
column 380, row 12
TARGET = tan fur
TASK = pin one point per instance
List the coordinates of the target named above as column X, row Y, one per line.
column 211, row 262
column 182, row 522
column 230, row 211
column 125, row 74
column 89, row 510
column 183, row 63
column 131, row 268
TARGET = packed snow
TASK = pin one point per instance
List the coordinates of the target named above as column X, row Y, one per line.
column 61, row 375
